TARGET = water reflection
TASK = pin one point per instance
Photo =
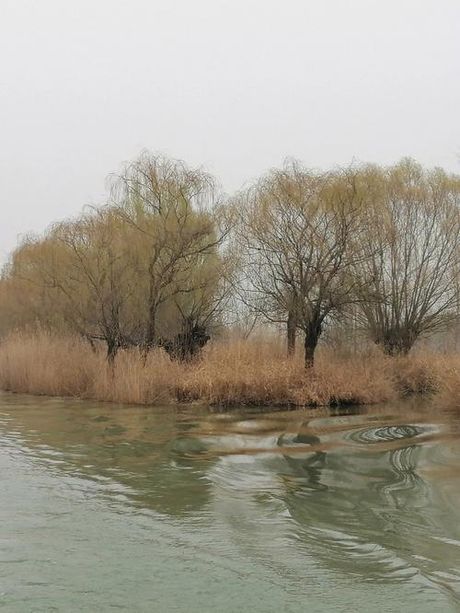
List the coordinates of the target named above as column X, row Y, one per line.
column 345, row 504
column 144, row 453
column 372, row 495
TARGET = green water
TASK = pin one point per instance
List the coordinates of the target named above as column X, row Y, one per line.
column 138, row 509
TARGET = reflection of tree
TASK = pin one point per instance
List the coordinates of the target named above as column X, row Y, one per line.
column 307, row 470
column 353, row 498
column 366, row 512
column 148, row 456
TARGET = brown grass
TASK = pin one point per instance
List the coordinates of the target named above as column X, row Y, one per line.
column 259, row 373
column 449, row 386
column 228, row 374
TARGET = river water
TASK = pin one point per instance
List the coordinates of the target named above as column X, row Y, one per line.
column 180, row 509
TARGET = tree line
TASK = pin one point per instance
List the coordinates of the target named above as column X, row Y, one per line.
column 169, row 258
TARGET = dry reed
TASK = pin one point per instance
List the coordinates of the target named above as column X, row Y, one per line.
column 227, row 374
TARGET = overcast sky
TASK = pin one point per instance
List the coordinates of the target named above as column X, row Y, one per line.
column 235, row 85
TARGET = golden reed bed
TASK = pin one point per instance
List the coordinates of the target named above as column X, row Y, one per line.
column 227, row 374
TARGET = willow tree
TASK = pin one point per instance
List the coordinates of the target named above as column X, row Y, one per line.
column 170, row 210
column 31, row 293
column 297, row 232
column 81, row 271
column 409, row 279
column 99, row 280
column 143, row 270
column 22, row 304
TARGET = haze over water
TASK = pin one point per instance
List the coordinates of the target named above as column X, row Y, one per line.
column 181, row 509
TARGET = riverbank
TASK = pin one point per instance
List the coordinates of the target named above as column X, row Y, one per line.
column 228, row 374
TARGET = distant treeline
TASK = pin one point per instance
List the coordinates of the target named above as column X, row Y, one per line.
column 169, row 259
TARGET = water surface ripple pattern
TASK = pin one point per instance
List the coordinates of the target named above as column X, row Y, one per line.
column 181, row 509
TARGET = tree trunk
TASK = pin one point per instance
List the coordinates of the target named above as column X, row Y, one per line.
column 112, row 350
column 393, row 348
column 397, row 342
column 310, row 346
column 151, row 333
column 291, row 333
column 312, row 334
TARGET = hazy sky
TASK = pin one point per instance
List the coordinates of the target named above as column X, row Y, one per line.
column 235, row 85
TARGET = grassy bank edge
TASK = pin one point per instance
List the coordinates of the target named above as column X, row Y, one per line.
column 229, row 374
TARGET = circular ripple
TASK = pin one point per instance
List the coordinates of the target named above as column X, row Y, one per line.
column 386, row 433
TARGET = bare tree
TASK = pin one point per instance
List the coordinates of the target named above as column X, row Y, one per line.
column 297, row 230
column 409, row 279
